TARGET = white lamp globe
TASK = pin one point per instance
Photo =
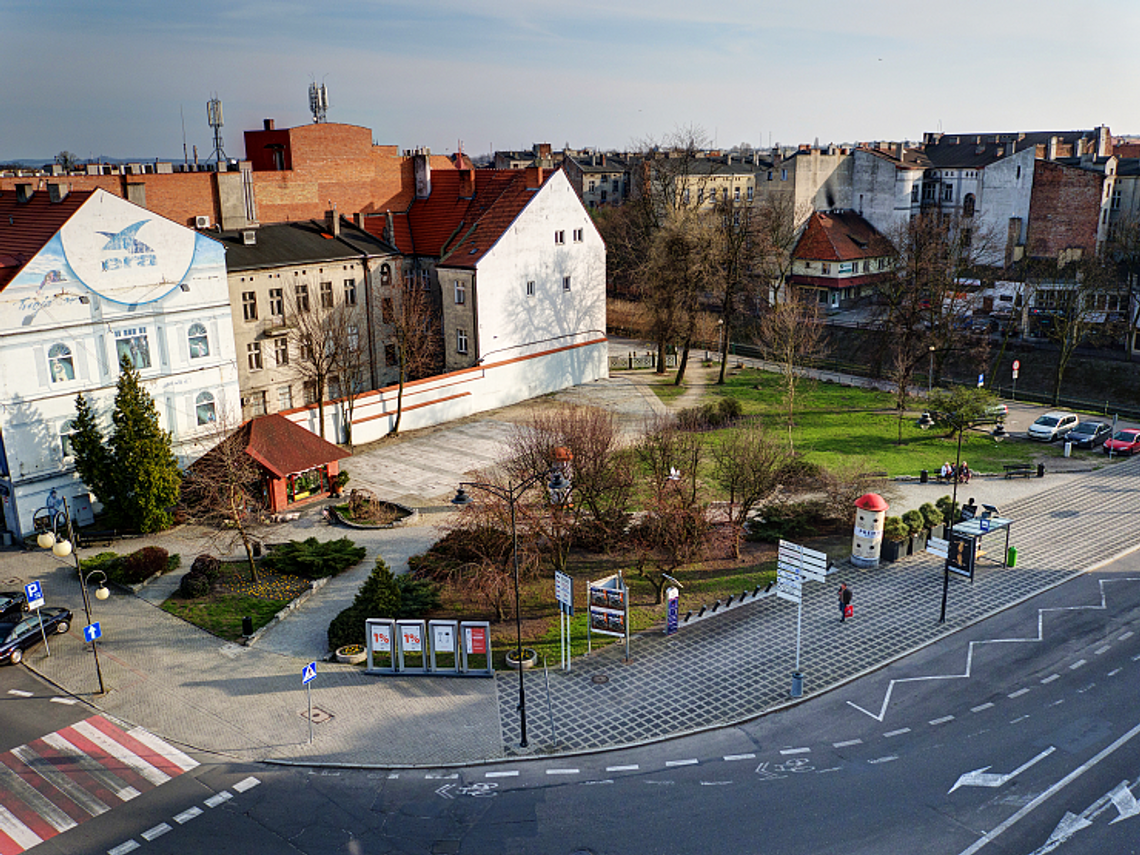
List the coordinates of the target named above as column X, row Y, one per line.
column 46, row 540
column 101, row 593
column 62, row 549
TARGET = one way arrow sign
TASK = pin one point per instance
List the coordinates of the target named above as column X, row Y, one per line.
column 982, row 778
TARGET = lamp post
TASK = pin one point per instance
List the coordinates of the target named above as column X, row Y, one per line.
column 47, row 522
column 559, row 486
column 930, row 375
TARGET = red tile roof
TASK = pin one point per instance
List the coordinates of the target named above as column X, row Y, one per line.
column 26, row 228
column 840, row 236
column 282, row 447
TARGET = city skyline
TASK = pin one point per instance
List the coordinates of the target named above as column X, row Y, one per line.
column 122, row 76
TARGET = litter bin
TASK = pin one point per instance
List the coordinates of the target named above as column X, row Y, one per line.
column 1040, row 470
column 1068, row 448
column 923, row 477
column 797, row 684
column 247, row 626
column 1011, row 557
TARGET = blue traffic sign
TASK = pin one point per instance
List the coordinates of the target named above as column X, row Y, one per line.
column 92, row 631
column 35, row 593
column 309, row 673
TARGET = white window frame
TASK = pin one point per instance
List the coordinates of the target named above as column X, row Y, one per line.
column 253, row 356
column 531, row 287
column 205, row 400
column 59, row 354
column 460, row 292
column 461, row 341
column 559, row 237
column 565, row 284
column 198, row 333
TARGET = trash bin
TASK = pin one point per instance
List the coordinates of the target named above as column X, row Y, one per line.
column 923, row 477
column 247, row 626
column 1068, row 448
column 1040, row 470
column 797, row 684
column 1011, row 557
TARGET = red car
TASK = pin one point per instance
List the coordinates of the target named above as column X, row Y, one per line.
column 1123, row 442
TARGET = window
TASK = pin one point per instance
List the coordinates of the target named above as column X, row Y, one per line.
column 60, row 363
column 301, row 292
column 284, row 397
column 578, row 235
column 326, row 295
column 385, row 275
column 735, row 194
column 353, row 338
column 460, row 292
column 947, row 192
column 386, row 310
column 1116, row 199
column 390, row 357
column 560, row 237
column 824, row 267
column 530, row 288
column 134, row 346
column 565, row 283
column 968, row 203
column 249, row 305
column 253, row 355
column 769, row 174
column 199, row 341
column 66, row 430
column 701, row 196
column 749, row 192
column 914, row 193
column 591, row 187
column 350, row 292
column 617, row 184
column 310, row 391
column 281, row 350
column 603, row 195
column 254, row 404
column 276, row 302
column 461, row 341
column 686, row 195
column 1019, row 173
column 204, row 408
column 723, row 194
column 783, row 175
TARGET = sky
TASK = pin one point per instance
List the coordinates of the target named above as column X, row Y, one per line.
column 118, row 78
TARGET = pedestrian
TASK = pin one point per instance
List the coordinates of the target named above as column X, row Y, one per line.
column 965, row 472
column 844, row 601
column 947, row 471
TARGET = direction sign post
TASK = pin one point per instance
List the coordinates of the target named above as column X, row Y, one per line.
column 1016, row 368
column 794, row 564
column 34, row 593
column 308, row 674
column 564, row 593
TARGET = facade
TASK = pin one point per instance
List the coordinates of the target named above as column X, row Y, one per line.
column 600, row 179
column 88, row 279
column 841, row 258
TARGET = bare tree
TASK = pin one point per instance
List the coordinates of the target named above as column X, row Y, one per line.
column 775, row 227
column 416, row 344
column 746, row 466
column 350, row 363
column 1124, row 251
column 790, row 334
column 316, row 332
column 741, row 256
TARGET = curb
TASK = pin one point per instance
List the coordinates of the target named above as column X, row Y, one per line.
column 314, row 586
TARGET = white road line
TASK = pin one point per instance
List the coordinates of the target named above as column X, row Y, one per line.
column 847, row 744
column 981, row 707
column 1050, row 679
column 1018, row 693
column 163, row 749
column 439, row 776
column 187, row 815
column 69, row 702
column 1078, row 664
column 1137, row 656
column 563, row 772
column 246, row 784
column 786, row 751
column 510, row 774
column 1104, row 649
column 1114, row 672
column 19, row 693
column 124, row 848
column 1057, row 703
column 942, row 720
column 886, row 759
column 692, row 761
column 159, row 830
column 731, row 757
column 631, row 768
column 715, row 783
column 215, row 800
column 121, row 753
column 15, row 829
column 393, row 776
column 1125, row 636
column 898, row 732
column 1019, row 719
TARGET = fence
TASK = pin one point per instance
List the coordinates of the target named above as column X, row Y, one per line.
column 640, row 360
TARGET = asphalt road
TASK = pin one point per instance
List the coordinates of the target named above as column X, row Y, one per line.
column 1021, row 735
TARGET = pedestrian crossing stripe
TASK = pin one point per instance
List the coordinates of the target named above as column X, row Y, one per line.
column 52, row 784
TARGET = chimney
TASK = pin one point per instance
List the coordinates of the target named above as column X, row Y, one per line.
column 466, row 182
column 23, row 193
column 533, row 177
column 332, row 222
column 603, row 159
column 268, row 124
column 899, row 150
column 421, row 167
column 1103, row 141
column 1051, row 149
column 249, row 237
column 58, row 192
column 389, row 228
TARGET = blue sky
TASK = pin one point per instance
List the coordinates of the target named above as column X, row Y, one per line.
column 110, row 78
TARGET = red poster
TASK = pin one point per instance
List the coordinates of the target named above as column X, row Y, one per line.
column 476, row 639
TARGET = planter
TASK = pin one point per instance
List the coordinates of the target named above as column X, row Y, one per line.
column 351, row 654
column 529, row 658
column 892, row 550
column 939, row 531
column 918, row 542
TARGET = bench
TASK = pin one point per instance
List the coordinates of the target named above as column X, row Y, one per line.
column 104, row 537
column 1025, row 470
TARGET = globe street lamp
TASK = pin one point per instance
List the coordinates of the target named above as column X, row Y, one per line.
column 558, row 485
column 48, row 521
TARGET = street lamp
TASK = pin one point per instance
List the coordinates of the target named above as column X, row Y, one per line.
column 47, row 521
column 930, row 376
column 558, row 485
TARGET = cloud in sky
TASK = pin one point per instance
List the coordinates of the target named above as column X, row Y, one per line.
column 111, row 78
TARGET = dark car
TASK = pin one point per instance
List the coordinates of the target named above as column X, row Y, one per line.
column 1123, row 442
column 12, row 604
column 18, row 636
column 1089, row 434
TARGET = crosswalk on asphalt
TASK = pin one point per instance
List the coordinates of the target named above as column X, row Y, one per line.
column 53, row 783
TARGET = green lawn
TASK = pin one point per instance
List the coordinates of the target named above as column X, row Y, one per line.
column 222, row 613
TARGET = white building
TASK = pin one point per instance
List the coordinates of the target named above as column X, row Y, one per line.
column 86, row 279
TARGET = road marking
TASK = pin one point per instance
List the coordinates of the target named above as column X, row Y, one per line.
column 1126, row 636
column 631, row 768
column 1050, row 679
column 69, row 702
column 898, row 732
column 1019, row 719
column 981, row 707
column 886, row 759
column 661, row 783
column 1018, row 693
column 1137, row 656
column 246, row 784
column 509, row 774
column 215, row 800
column 124, row 848
column 982, row 778
column 393, row 776
column 1078, row 664
column 157, row 831
column 592, row 783
column 715, row 783
column 11, row 826
column 731, row 757
column 942, row 720
column 786, row 751
column 1114, row 672
column 1104, row 649
column 439, row 776
column 692, row 761
column 847, row 744
column 187, row 815
column 123, row 754
column 562, row 772
column 1057, row 703
column 19, row 693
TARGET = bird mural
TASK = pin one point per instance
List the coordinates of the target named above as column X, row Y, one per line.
column 126, row 240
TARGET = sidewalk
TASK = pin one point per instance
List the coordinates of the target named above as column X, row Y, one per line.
column 194, row 689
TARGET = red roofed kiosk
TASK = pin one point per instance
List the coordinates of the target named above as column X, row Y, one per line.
column 870, row 512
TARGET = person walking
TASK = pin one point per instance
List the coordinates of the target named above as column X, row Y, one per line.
column 844, row 601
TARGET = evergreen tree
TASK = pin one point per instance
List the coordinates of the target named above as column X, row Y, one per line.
column 92, row 459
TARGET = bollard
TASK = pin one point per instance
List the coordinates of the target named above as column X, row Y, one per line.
column 247, row 626
column 1011, row 557
column 797, row 684
column 1040, row 470
column 923, row 477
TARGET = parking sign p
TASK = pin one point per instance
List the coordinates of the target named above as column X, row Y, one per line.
column 35, row 593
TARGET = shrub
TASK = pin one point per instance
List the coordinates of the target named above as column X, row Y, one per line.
column 379, row 596
column 943, row 505
column 798, row 472
column 194, row 585
column 914, row 521
column 146, row 562
column 931, row 515
column 417, row 596
column 711, row 414
column 894, row 529
column 315, row 559
column 786, row 521
column 208, row 566
column 458, row 548
column 347, row 628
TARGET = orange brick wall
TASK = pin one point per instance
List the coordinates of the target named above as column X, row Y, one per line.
column 1064, row 209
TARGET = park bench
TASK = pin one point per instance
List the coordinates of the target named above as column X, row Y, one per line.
column 1025, row 470
column 101, row 537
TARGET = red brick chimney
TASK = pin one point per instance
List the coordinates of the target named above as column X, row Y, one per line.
column 534, row 176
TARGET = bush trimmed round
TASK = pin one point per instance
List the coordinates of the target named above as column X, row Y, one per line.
column 194, row 585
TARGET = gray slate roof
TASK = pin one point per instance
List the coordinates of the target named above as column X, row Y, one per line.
column 308, row 242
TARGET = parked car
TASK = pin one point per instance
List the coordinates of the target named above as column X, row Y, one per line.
column 1089, row 434
column 12, row 604
column 18, row 636
column 997, row 411
column 1123, row 442
column 1055, row 424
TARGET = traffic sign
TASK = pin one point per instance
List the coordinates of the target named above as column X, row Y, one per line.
column 35, row 593
column 564, row 591
column 1016, row 364
column 92, row 631
column 981, row 380
column 309, row 673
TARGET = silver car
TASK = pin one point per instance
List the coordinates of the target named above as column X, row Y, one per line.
column 1055, row 424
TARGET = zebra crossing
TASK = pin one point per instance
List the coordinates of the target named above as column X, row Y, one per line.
column 53, row 783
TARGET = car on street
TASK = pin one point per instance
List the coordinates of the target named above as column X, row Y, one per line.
column 997, row 411
column 16, row 636
column 12, row 604
column 1089, row 434
column 1123, row 442
column 1055, row 424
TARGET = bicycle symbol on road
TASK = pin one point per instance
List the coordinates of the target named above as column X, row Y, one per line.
column 773, row 772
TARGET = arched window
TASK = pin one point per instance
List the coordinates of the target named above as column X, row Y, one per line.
column 204, row 408
column 61, row 364
column 385, row 275
column 968, row 205
column 199, row 341
column 66, row 430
